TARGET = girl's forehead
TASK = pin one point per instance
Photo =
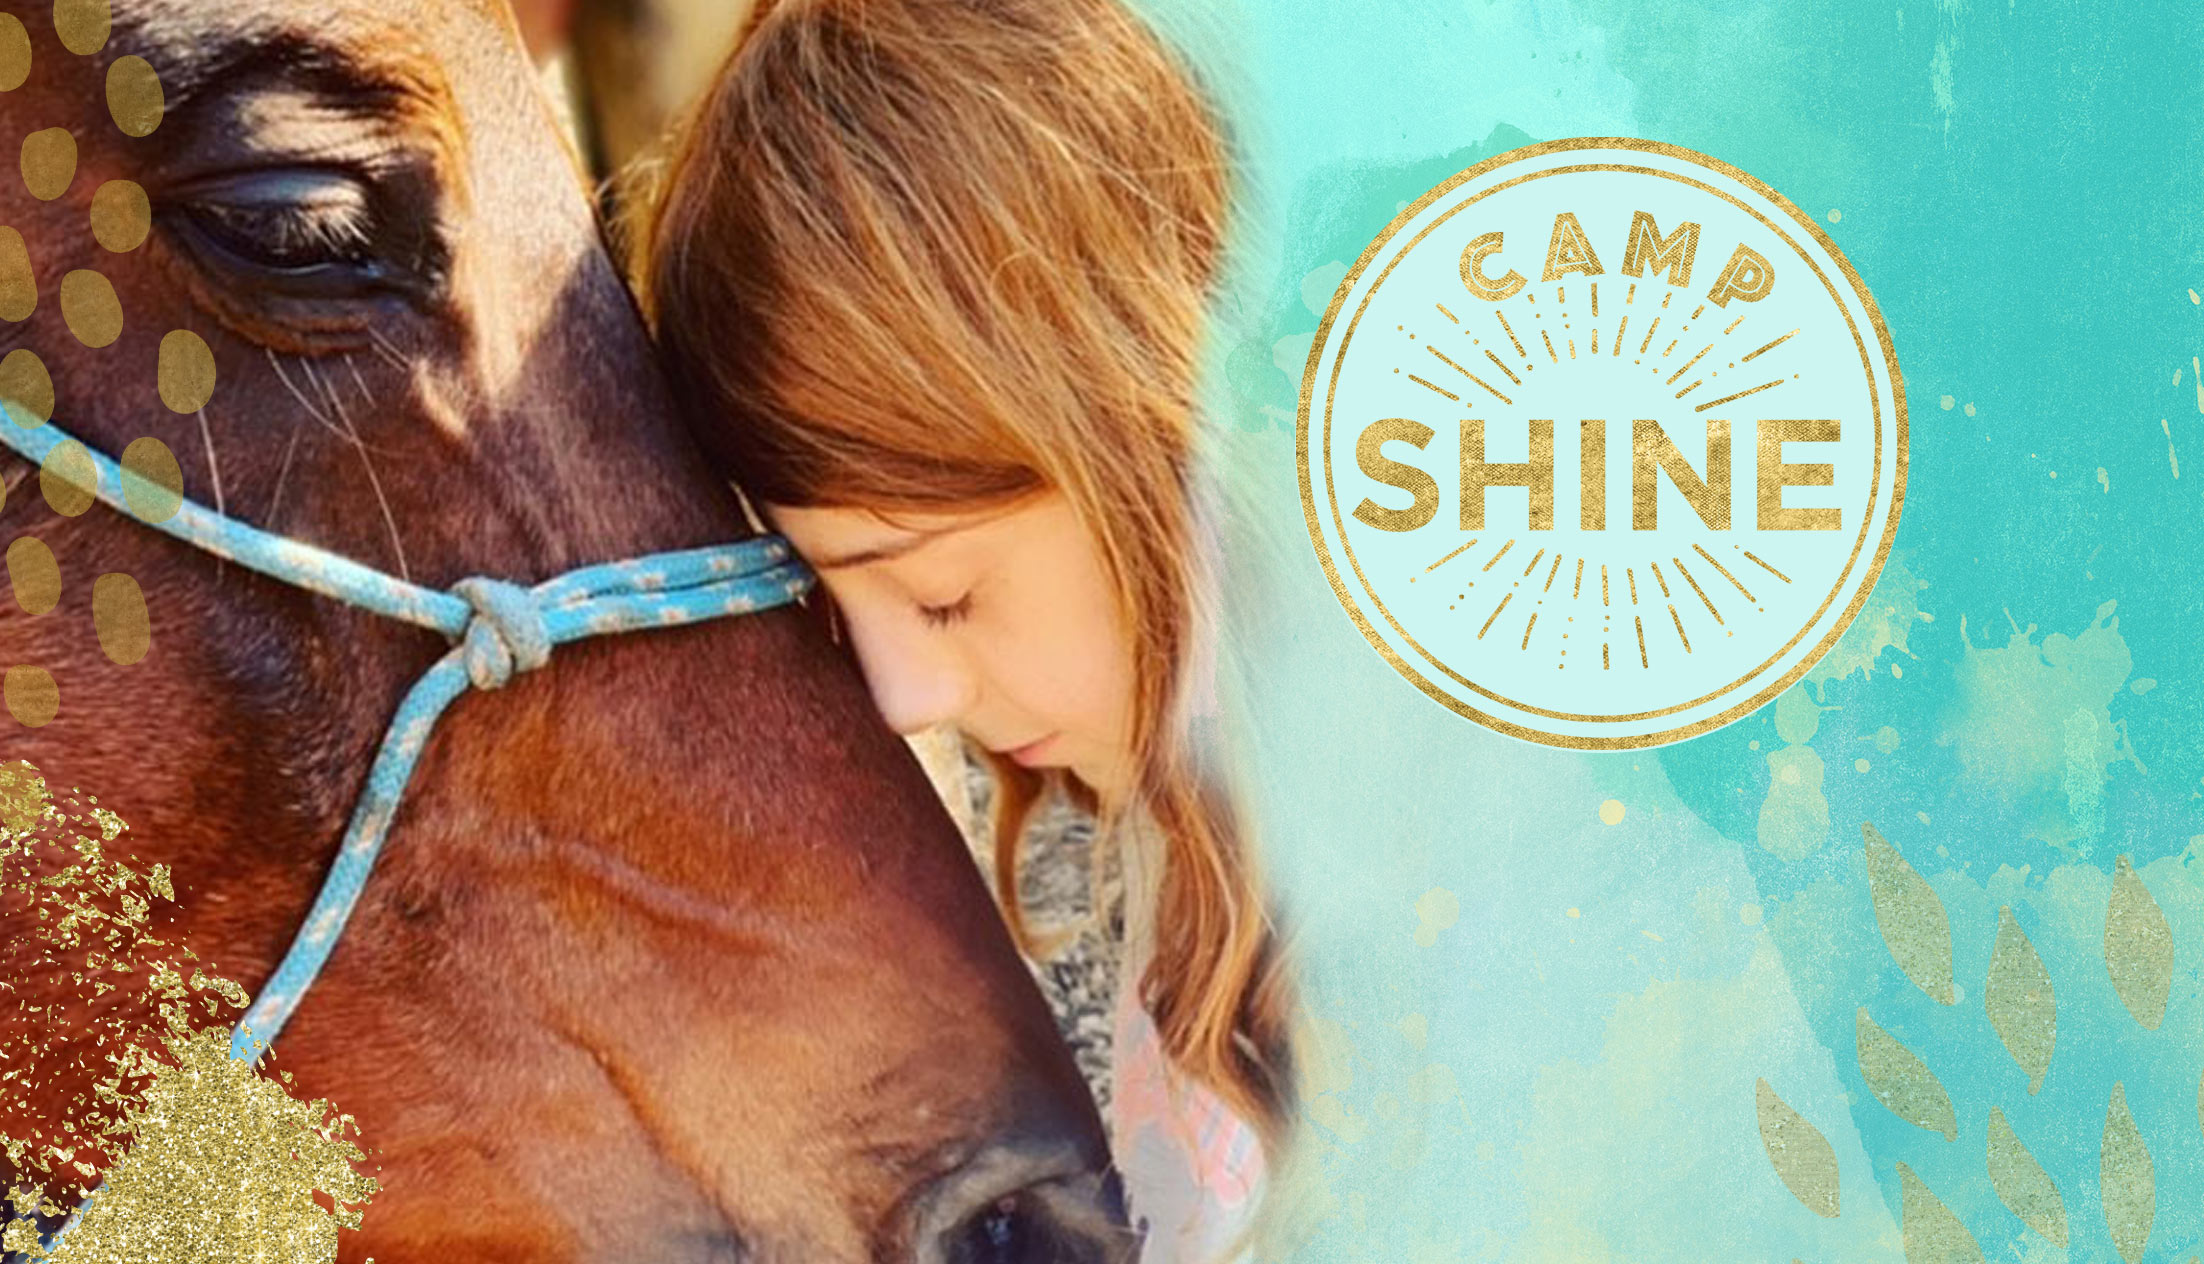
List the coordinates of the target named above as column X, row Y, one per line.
column 842, row 537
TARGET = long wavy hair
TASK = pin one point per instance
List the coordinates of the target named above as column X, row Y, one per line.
column 937, row 255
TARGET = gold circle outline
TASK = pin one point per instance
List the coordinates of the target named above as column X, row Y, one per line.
column 1898, row 410
column 1867, row 521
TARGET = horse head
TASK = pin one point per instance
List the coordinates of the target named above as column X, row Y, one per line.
column 672, row 955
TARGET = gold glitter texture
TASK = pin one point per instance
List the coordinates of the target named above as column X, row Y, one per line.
column 89, row 305
column 2022, row 1184
column 186, row 376
column 27, row 388
column 68, row 478
column 34, row 575
column 1931, row 1233
column 83, row 25
column 1903, row 1082
column 122, row 215
column 212, row 1161
column 49, row 163
column 1801, row 1155
column 15, row 53
column 134, row 96
column 2021, row 1004
column 32, row 697
column 2126, row 1180
column 18, row 288
column 2138, row 947
column 119, row 617
column 152, row 481
column 1911, row 918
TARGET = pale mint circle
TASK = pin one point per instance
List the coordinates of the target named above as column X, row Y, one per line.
column 1676, row 405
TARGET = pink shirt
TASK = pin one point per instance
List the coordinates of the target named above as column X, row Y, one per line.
column 1192, row 1168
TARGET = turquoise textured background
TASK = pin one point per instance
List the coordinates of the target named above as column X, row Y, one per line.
column 1537, row 1034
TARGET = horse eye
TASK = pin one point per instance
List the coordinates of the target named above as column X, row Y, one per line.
column 309, row 232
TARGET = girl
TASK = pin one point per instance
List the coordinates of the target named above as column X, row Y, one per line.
column 932, row 273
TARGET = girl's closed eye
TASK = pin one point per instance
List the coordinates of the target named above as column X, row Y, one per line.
column 942, row 616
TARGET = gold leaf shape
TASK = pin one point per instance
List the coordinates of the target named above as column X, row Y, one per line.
column 152, row 482
column 68, row 477
column 83, row 25
column 1903, row 1082
column 34, row 574
column 18, row 287
column 134, row 96
column 32, row 697
column 89, row 304
column 27, row 388
column 23, row 797
column 2020, row 1001
column 1801, row 1155
column 1932, row 1235
column 119, row 616
column 2138, row 947
column 2022, row 1184
column 2124, row 1176
column 186, row 376
column 122, row 215
column 1910, row 916
column 15, row 53
column 49, row 163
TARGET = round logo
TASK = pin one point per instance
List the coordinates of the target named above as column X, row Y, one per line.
column 1602, row 443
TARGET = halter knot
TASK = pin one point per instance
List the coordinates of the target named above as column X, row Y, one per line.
column 507, row 635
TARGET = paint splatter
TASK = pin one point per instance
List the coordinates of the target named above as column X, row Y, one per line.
column 1436, row 910
column 2032, row 725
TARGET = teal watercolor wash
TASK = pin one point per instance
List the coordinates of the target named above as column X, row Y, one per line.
column 1539, row 1034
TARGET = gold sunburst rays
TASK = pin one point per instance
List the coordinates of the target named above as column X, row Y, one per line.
column 1619, row 331
column 1704, row 600
column 1650, row 330
column 1509, row 330
column 1757, row 352
column 1688, row 363
column 1448, row 558
column 1449, row 315
column 1501, row 365
column 1755, row 559
column 1729, row 399
column 1550, row 352
column 1450, row 363
column 1433, row 386
column 1495, row 559
column 1595, row 300
column 1677, row 619
column 1505, row 598
column 1734, row 582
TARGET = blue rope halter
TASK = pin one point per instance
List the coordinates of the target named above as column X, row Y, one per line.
column 499, row 630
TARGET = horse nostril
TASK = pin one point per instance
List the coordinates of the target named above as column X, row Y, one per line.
column 1020, row 1207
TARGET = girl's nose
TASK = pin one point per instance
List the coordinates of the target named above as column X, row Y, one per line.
column 917, row 677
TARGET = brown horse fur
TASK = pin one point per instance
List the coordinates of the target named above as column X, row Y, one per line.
column 672, row 956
